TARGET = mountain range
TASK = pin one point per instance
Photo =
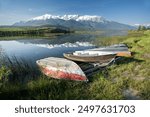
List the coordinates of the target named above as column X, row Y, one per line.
column 146, row 25
column 75, row 22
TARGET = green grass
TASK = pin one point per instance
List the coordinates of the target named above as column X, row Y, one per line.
column 128, row 78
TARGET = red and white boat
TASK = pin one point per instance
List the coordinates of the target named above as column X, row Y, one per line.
column 61, row 68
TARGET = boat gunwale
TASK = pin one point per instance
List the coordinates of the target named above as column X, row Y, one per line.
column 100, row 58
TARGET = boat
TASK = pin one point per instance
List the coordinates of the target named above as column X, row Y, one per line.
column 61, row 68
column 97, row 57
column 120, row 50
column 118, row 53
column 109, row 49
column 118, row 45
column 115, row 47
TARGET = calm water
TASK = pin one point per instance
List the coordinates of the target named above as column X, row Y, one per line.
column 34, row 49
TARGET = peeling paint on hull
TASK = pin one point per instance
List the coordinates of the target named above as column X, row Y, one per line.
column 61, row 68
column 63, row 75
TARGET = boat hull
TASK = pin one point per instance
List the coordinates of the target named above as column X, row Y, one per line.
column 118, row 49
column 60, row 68
column 99, row 59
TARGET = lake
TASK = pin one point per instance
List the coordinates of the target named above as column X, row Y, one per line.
column 32, row 49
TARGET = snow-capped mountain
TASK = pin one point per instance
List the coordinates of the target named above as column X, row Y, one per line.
column 74, row 22
column 146, row 25
column 71, row 17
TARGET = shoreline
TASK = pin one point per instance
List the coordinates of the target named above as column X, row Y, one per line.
column 126, row 79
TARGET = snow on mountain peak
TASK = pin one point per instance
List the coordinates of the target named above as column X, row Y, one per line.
column 71, row 17
column 45, row 17
column 91, row 18
column 147, row 25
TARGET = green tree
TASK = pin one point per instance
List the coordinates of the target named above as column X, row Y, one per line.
column 141, row 28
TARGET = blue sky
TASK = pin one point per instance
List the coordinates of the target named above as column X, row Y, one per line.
column 123, row 11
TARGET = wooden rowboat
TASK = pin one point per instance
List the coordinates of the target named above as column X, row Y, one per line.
column 118, row 49
column 61, row 68
column 115, row 47
column 87, row 57
column 118, row 53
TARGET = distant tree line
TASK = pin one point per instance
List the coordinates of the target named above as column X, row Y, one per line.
column 140, row 28
column 19, row 33
column 33, row 32
column 57, row 30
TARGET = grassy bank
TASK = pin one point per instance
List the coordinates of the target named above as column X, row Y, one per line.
column 128, row 78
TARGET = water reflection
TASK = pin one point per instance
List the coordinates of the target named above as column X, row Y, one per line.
column 33, row 52
column 34, row 49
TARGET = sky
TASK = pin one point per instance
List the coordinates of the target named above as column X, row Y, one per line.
column 123, row 11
